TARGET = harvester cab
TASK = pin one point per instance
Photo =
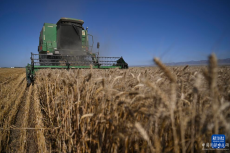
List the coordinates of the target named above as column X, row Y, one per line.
column 65, row 45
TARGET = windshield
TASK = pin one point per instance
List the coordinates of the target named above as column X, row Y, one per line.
column 69, row 38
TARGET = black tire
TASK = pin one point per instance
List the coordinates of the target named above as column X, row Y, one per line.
column 28, row 82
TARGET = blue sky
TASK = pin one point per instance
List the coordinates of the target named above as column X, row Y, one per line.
column 138, row 30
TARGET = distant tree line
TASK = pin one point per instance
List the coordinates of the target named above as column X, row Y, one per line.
column 12, row 67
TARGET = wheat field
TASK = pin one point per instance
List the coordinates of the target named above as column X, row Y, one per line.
column 140, row 109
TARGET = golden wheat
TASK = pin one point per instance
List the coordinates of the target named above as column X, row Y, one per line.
column 150, row 109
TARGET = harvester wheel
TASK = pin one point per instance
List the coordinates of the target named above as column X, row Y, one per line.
column 28, row 82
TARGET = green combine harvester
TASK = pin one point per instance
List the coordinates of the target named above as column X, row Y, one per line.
column 65, row 45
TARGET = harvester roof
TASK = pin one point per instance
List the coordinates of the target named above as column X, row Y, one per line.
column 71, row 20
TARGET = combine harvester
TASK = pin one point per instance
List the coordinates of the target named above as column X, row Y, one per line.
column 65, row 45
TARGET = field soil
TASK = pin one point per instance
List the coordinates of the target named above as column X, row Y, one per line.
column 16, row 113
column 140, row 109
